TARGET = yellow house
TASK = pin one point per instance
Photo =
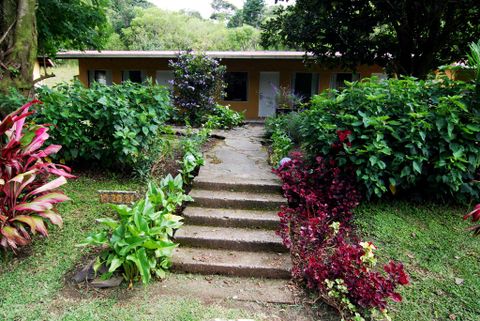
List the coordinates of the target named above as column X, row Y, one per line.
column 253, row 77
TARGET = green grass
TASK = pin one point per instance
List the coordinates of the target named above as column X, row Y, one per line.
column 32, row 285
column 64, row 71
column 431, row 241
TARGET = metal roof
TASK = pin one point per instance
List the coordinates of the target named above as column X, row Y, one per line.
column 173, row 54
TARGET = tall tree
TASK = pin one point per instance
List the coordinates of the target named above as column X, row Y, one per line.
column 121, row 13
column 18, row 43
column 32, row 27
column 253, row 11
column 222, row 10
column 410, row 37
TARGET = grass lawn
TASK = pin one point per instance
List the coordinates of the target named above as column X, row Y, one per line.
column 32, row 284
column 64, row 71
column 431, row 241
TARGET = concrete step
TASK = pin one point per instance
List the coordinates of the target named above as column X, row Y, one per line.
column 238, row 185
column 229, row 238
column 232, row 263
column 231, row 217
column 239, row 200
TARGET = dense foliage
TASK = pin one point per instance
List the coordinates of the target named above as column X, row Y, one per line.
column 108, row 126
column 140, row 240
column 157, row 29
column 28, row 181
column 403, row 135
column 326, row 253
column 198, row 83
column 407, row 37
column 222, row 117
column 71, row 24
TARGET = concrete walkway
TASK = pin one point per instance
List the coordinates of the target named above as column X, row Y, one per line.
column 230, row 227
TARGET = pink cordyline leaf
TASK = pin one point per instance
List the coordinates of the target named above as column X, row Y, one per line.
column 53, row 217
column 21, row 121
column 12, row 237
column 50, row 185
column 41, row 136
column 53, row 198
column 34, row 206
column 52, row 149
column 27, row 191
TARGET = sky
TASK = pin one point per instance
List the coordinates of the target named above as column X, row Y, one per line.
column 202, row 6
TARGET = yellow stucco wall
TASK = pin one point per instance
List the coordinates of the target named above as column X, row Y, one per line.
column 286, row 68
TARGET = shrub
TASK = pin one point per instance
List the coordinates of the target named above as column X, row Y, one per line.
column 222, row 117
column 27, row 191
column 286, row 99
column 284, row 134
column 10, row 100
column 198, row 82
column 140, row 240
column 404, row 134
column 110, row 126
column 326, row 253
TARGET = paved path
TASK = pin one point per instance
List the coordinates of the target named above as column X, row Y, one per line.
column 230, row 227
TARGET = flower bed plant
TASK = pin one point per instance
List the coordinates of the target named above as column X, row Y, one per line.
column 140, row 240
column 28, row 181
column 326, row 252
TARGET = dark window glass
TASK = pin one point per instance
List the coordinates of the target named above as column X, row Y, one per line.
column 237, row 83
column 305, row 85
column 341, row 78
column 135, row 76
column 100, row 76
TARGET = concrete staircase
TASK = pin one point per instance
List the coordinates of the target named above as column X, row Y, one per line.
column 230, row 230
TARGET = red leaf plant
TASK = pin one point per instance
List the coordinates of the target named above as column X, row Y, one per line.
column 475, row 216
column 28, row 182
column 326, row 252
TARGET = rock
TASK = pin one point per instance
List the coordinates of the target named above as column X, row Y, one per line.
column 458, row 281
column 110, row 283
column 87, row 273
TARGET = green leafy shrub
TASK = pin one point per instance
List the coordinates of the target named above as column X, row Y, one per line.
column 111, row 126
column 222, row 117
column 198, row 83
column 10, row 100
column 140, row 240
column 401, row 134
column 284, row 133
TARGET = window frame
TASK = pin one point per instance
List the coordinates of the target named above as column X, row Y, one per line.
column 247, row 86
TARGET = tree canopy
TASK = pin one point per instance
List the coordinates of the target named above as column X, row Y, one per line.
column 157, row 29
column 410, row 37
column 71, row 24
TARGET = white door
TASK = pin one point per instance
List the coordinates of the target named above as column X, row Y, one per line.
column 164, row 78
column 268, row 85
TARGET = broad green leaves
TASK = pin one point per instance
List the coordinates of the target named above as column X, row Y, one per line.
column 140, row 241
column 406, row 134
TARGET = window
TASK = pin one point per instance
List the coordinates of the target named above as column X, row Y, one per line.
column 305, row 85
column 103, row 77
column 237, row 84
column 164, row 78
column 136, row 76
column 338, row 79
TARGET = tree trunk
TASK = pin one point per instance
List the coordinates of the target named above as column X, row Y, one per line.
column 18, row 44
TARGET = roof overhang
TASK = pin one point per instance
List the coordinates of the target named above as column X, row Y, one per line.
column 296, row 55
